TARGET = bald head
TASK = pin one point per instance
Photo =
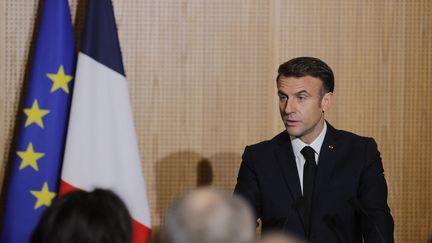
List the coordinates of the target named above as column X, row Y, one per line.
column 209, row 216
column 278, row 237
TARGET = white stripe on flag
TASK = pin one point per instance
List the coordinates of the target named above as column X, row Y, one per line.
column 101, row 148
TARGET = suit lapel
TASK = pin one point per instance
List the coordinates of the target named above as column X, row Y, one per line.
column 286, row 161
column 326, row 163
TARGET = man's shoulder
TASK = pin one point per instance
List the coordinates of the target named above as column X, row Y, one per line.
column 349, row 141
column 348, row 135
column 269, row 144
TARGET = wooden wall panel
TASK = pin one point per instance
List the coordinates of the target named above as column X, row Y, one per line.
column 2, row 85
column 193, row 67
column 16, row 38
column 201, row 77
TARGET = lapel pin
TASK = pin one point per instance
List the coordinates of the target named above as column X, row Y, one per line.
column 331, row 146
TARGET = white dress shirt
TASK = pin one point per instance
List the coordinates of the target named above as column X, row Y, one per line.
column 298, row 145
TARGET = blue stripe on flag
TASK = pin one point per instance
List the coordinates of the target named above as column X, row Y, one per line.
column 100, row 40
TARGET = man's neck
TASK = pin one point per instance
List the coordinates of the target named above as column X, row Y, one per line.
column 311, row 137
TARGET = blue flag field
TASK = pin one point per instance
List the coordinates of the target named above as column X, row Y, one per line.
column 38, row 155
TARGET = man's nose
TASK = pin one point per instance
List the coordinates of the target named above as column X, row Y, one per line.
column 289, row 106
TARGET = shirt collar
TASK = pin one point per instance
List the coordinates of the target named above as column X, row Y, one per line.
column 298, row 144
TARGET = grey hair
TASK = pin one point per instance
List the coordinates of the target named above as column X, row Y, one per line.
column 209, row 216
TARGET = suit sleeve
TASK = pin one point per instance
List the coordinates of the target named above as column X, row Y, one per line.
column 247, row 184
column 377, row 222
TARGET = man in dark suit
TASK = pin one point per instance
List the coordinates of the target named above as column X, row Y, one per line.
column 312, row 180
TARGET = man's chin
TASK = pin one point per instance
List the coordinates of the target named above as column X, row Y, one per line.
column 293, row 132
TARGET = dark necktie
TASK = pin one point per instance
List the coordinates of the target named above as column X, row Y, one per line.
column 309, row 171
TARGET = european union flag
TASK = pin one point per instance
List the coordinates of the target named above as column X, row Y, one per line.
column 38, row 156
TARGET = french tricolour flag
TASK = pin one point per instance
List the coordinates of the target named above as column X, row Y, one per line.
column 101, row 146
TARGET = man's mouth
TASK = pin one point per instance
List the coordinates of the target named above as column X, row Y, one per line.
column 291, row 122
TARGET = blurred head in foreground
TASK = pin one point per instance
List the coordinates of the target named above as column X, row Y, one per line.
column 209, row 216
column 92, row 217
column 279, row 237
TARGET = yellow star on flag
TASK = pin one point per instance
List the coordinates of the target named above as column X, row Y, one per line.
column 44, row 196
column 60, row 80
column 35, row 114
column 29, row 157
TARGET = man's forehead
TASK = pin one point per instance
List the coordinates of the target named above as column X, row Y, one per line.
column 296, row 84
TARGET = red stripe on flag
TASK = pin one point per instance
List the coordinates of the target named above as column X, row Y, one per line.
column 140, row 233
column 65, row 188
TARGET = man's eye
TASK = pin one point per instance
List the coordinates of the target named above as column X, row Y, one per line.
column 282, row 98
column 301, row 98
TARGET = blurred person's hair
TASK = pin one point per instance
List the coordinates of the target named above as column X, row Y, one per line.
column 209, row 216
column 279, row 237
column 92, row 217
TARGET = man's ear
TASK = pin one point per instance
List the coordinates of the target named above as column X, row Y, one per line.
column 327, row 101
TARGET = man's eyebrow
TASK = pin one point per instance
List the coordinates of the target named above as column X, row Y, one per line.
column 281, row 93
column 297, row 93
column 302, row 92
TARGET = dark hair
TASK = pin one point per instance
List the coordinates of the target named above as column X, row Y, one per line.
column 308, row 66
column 91, row 217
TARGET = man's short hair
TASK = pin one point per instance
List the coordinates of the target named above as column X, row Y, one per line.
column 308, row 66
column 79, row 216
column 209, row 216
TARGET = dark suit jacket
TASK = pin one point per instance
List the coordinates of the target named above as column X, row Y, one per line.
column 350, row 195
